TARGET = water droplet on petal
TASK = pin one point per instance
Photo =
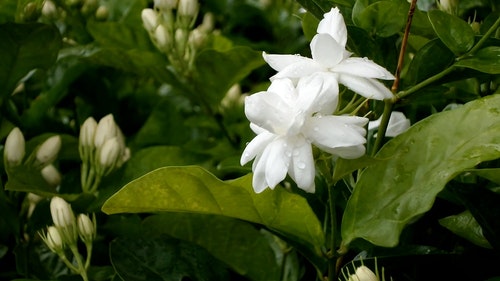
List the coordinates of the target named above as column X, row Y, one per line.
column 288, row 153
column 316, row 129
column 301, row 165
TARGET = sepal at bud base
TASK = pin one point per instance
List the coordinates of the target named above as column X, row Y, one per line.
column 53, row 239
column 14, row 149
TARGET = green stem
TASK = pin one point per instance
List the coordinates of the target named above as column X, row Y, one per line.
column 332, row 263
column 88, row 246
column 63, row 257
column 483, row 39
column 81, row 268
column 383, row 126
column 425, row 83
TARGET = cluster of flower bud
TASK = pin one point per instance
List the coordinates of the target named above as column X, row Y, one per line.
column 67, row 228
column 170, row 27
column 42, row 157
column 87, row 8
column 102, row 149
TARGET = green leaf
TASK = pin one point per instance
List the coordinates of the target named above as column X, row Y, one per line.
column 316, row 7
column 486, row 60
column 393, row 193
column 492, row 174
column 119, row 35
column 217, row 71
column 163, row 258
column 193, row 189
column 465, row 226
column 455, row 33
column 431, row 59
column 309, row 25
column 374, row 17
column 20, row 52
column 232, row 241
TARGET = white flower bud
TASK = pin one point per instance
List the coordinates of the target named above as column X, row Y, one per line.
column 61, row 212
column 109, row 153
column 363, row 273
column 51, row 175
column 149, row 19
column 208, row 23
column 14, row 149
column 106, row 129
column 188, row 8
column 87, row 132
column 398, row 124
column 102, row 13
column 47, row 152
column 165, row 4
column 53, row 239
column 86, row 228
column 162, row 37
column 32, row 200
column 49, row 9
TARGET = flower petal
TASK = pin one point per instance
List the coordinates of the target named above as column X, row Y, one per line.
column 349, row 152
column 269, row 111
column 256, row 146
column 298, row 70
column 367, row 87
column 330, row 132
column 362, row 67
column 318, row 93
column 279, row 62
column 277, row 162
column 334, row 25
column 326, row 51
column 302, row 169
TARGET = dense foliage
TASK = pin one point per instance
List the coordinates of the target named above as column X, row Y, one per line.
column 133, row 112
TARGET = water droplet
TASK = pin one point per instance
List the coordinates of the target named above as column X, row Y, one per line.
column 316, row 129
column 288, row 153
column 301, row 165
column 296, row 153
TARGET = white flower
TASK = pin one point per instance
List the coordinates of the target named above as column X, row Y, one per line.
column 398, row 124
column 86, row 228
column 287, row 119
column 53, row 239
column 329, row 56
column 14, row 149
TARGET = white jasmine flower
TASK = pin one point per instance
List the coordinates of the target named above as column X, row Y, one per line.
column 363, row 273
column 14, row 149
column 329, row 56
column 398, row 124
column 287, row 120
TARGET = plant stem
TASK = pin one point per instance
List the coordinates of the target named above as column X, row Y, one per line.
column 388, row 104
column 332, row 263
column 81, row 268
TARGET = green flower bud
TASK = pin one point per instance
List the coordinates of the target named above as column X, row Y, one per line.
column 14, row 149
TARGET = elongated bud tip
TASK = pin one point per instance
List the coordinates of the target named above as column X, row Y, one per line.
column 87, row 132
column 47, row 152
column 188, row 7
column 53, row 239
column 14, row 147
column 61, row 212
column 86, row 228
column 149, row 19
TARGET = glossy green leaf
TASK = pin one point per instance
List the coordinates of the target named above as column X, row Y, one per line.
column 164, row 259
column 464, row 225
column 119, row 35
column 492, row 174
column 316, row 7
column 431, row 59
column 393, row 193
column 232, row 241
column 193, row 189
column 20, row 51
column 374, row 17
column 217, row 71
column 486, row 60
column 455, row 33
column 309, row 25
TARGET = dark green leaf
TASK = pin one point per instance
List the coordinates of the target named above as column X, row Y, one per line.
column 119, row 35
column 391, row 194
column 20, row 52
column 234, row 242
column 316, row 7
column 486, row 60
column 374, row 17
column 464, row 225
column 484, row 205
column 431, row 59
column 492, row 174
column 217, row 71
column 192, row 189
column 309, row 25
column 163, row 259
column 455, row 33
